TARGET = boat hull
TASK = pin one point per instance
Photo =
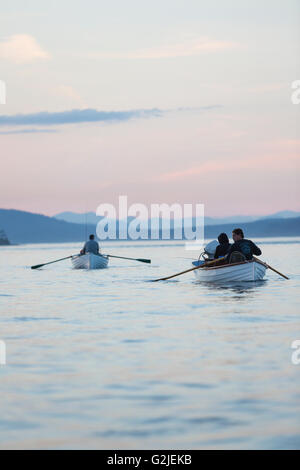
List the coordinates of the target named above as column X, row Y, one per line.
column 89, row 261
column 246, row 271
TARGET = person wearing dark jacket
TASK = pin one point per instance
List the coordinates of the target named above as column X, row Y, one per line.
column 224, row 246
column 242, row 245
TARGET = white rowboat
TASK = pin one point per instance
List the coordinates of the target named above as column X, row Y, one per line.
column 244, row 271
column 89, row 261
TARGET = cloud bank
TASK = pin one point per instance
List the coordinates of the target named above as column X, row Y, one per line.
column 22, row 49
column 76, row 116
column 28, row 131
column 232, row 166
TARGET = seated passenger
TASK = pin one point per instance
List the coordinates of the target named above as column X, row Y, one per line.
column 246, row 247
column 224, row 246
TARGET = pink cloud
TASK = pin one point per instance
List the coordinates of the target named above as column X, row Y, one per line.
column 22, row 49
column 264, row 163
column 186, row 48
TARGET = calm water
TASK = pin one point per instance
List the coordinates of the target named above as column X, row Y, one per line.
column 107, row 359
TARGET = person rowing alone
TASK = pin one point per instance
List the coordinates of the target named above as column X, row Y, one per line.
column 242, row 249
column 91, row 246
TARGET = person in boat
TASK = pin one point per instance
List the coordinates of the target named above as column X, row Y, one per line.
column 91, row 246
column 223, row 247
column 242, row 249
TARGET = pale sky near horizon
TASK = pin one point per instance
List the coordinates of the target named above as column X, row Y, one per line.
column 175, row 101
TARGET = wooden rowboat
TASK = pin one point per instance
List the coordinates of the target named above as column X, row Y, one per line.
column 89, row 261
column 243, row 271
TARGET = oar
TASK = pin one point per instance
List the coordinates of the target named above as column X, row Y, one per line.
column 50, row 262
column 189, row 270
column 270, row 267
column 142, row 260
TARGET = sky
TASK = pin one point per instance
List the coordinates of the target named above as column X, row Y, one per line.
column 168, row 101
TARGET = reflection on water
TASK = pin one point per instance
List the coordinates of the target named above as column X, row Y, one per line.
column 245, row 290
column 239, row 287
column 107, row 359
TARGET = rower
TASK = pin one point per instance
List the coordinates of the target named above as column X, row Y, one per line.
column 91, row 246
column 242, row 249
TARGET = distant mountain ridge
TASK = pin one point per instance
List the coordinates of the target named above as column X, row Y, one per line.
column 27, row 227
column 260, row 228
column 92, row 218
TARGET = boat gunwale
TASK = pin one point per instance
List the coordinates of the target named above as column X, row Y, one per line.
column 230, row 265
column 84, row 254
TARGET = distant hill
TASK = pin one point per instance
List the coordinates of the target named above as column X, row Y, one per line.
column 282, row 215
column 260, row 228
column 26, row 227
column 78, row 218
column 92, row 218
